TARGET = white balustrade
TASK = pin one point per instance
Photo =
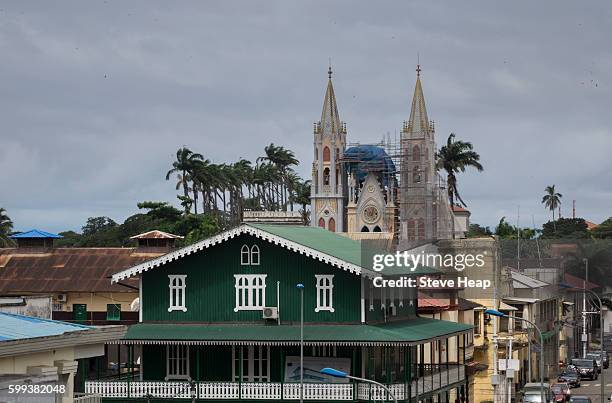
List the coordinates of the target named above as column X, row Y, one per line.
column 271, row 390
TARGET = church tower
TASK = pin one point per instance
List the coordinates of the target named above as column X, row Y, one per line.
column 327, row 191
column 419, row 187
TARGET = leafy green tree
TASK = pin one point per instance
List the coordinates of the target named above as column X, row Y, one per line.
column 6, row 228
column 599, row 255
column 575, row 228
column 97, row 224
column 552, row 200
column 603, row 230
column 455, row 157
column 505, row 230
column 69, row 239
column 477, row 231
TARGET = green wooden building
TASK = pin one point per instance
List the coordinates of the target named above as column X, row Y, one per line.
column 220, row 320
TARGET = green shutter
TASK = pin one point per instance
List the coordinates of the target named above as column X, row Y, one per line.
column 113, row 312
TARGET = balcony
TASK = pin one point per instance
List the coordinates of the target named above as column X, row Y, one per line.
column 432, row 378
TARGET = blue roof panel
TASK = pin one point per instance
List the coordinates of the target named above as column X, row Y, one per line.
column 35, row 233
column 18, row 327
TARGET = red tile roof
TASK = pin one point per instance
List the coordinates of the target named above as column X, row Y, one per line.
column 591, row 224
column 459, row 209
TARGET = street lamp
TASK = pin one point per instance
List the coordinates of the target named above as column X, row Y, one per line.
column 499, row 314
column 601, row 327
column 300, row 287
column 340, row 374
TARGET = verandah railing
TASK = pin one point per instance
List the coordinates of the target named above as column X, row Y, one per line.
column 429, row 381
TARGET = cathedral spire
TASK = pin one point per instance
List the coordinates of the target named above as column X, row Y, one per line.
column 418, row 124
column 330, row 120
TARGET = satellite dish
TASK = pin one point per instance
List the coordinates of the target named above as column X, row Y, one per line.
column 135, row 305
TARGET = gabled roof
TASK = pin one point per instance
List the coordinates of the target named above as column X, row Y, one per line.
column 35, row 233
column 520, row 280
column 19, row 327
column 317, row 243
column 156, row 234
column 577, row 282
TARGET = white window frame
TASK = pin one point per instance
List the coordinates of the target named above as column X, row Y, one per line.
column 325, row 292
column 249, row 363
column 255, row 254
column 177, row 286
column 177, row 362
column 245, row 255
column 250, row 292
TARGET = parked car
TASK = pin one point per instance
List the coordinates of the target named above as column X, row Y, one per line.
column 561, row 392
column 570, row 376
column 580, row 399
column 601, row 361
column 595, row 355
column 587, row 368
column 531, row 393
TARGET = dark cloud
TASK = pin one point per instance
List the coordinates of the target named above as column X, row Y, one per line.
column 96, row 97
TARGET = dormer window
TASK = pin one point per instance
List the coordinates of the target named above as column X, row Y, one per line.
column 249, row 256
column 177, row 286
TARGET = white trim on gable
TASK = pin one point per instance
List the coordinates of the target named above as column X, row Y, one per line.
column 243, row 229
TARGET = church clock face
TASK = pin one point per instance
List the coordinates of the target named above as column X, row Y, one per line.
column 370, row 214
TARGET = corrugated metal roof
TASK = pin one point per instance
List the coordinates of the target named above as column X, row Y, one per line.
column 60, row 270
column 520, row 280
column 18, row 327
column 521, row 299
column 156, row 234
column 35, row 233
column 410, row 331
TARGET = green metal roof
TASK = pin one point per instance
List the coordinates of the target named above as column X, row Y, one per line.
column 319, row 239
column 406, row 332
column 338, row 246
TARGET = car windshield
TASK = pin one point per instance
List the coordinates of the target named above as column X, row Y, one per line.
column 580, row 400
column 583, row 363
column 569, row 372
column 557, row 388
column 594, row 355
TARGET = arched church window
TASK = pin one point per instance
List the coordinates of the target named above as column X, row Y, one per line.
column 332, row 225
column 427, row 153
column 411, row 230
column 416, row 153
column 376, row 229
column 416, row 175
column 365, row 229
column 421, row 228
column 321, row 222
column 316, row 153
column 326, row 176
column 326, row 157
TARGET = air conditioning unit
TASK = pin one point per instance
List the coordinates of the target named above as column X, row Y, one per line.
column 61, row 297
column 270, row 313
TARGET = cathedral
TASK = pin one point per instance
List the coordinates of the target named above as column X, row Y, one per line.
column 395, row 191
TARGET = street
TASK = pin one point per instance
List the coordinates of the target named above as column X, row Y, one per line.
column 592, row 388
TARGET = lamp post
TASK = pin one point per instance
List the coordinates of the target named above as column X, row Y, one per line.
column 300, row 287
column 340, row 374
column 601, row 328
column 497, row 313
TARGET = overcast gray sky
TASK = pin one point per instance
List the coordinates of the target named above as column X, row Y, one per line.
column 95, row 97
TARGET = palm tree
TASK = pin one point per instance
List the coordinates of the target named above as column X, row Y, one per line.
column 184, row 165
column 552, row 200
column 6, row 227
column 455, row 157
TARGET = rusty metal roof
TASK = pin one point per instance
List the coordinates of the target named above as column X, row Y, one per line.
column 59, row 270
column 156, row 234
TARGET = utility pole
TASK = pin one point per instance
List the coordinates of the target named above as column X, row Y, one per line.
column 508, row 379
column 585, row 337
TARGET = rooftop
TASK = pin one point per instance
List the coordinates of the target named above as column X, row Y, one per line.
column 35, row 233
column 19, row 327
column 156, row 234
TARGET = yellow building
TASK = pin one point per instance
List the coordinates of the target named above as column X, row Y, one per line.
column 41, row 358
